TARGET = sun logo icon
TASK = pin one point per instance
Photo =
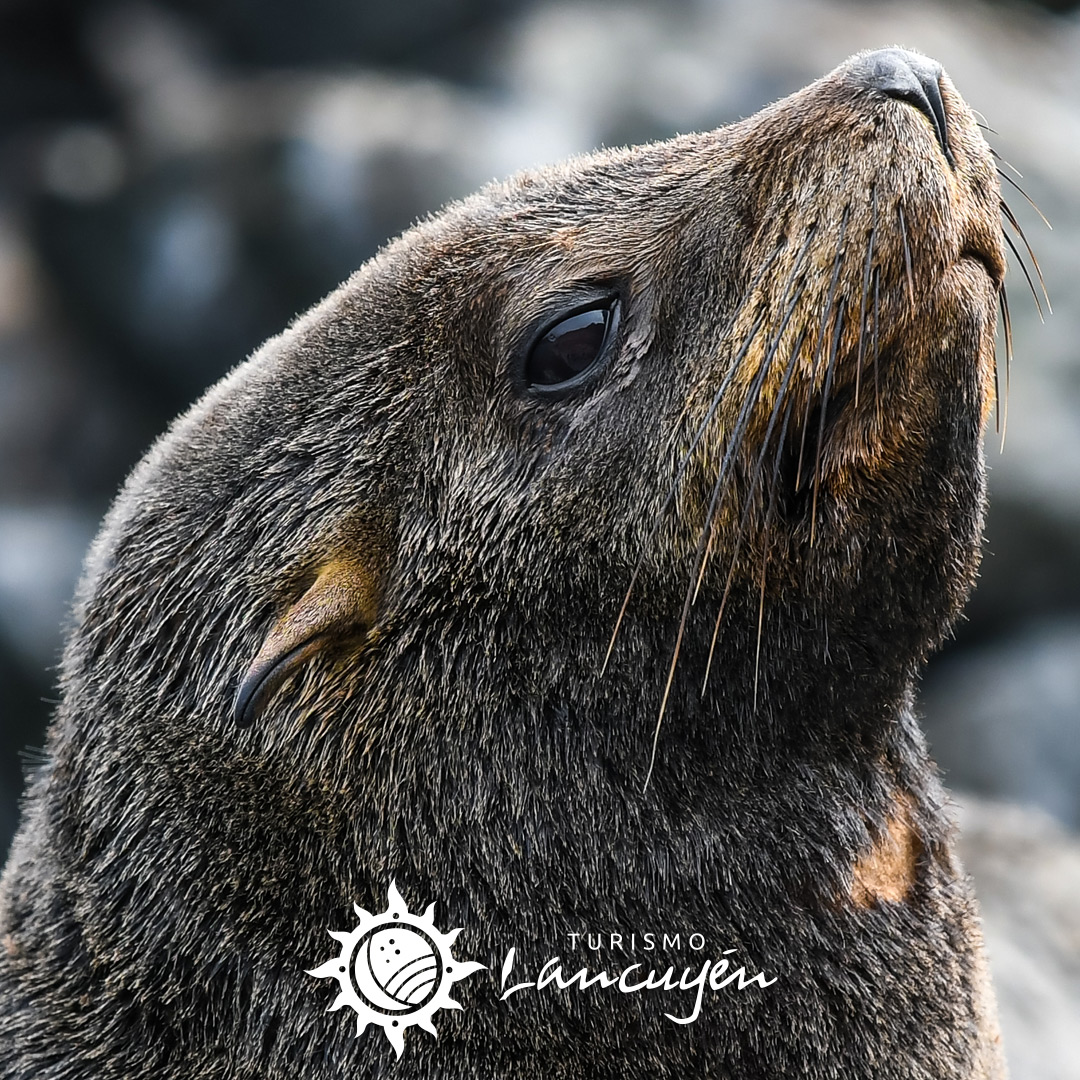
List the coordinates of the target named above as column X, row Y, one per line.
column 395, row 969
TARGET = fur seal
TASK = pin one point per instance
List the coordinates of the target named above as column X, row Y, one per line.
column 351, row 623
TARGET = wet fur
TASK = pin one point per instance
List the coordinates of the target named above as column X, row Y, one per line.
column 175, row 874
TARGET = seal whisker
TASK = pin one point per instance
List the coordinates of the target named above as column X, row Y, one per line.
column 781, row 397
column 875, row 345
column 679, row 474
column 1006, row 321
column 874, row 342
column 867, row 266
column 753, row 394
column 781, row 439
column 1023, row 267
column 997, row 398
column 820, row 341
column 773, row 488
column 817, row 352
column 703, row 426
column 734, row 444
column 1008, row 164
column 1007, row 211
column 744, row 414
column 777, row 457
column 733, row 371
column 834, row 348
column 704, row 564
column 760, row 625
column 1031, row 202
column 907, row 256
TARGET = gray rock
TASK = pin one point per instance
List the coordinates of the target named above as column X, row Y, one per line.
column 1004, row 720
column 41, row 551
column 1027, row 878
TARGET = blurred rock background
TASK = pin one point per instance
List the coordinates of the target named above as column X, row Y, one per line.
column 179, row 178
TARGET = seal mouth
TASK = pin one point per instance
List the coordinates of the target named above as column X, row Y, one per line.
column 990, row 261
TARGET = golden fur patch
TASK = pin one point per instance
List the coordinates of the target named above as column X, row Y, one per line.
column 887, row 871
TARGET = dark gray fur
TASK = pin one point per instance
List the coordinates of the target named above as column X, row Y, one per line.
column 175, row 874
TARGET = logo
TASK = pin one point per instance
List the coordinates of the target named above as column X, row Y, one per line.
column 395, row 969
column 625, row 975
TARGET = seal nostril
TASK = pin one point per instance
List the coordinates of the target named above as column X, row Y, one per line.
column 912, row 78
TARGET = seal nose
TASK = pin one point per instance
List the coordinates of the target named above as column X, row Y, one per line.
column 912, row 78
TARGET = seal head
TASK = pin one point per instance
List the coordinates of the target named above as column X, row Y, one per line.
column 572, row 564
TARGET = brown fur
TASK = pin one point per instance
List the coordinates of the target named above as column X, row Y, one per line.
column 887, row 871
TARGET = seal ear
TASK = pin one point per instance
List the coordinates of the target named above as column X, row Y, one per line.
column 341, row 602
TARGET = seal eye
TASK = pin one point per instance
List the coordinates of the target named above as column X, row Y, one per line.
column 566, row 350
